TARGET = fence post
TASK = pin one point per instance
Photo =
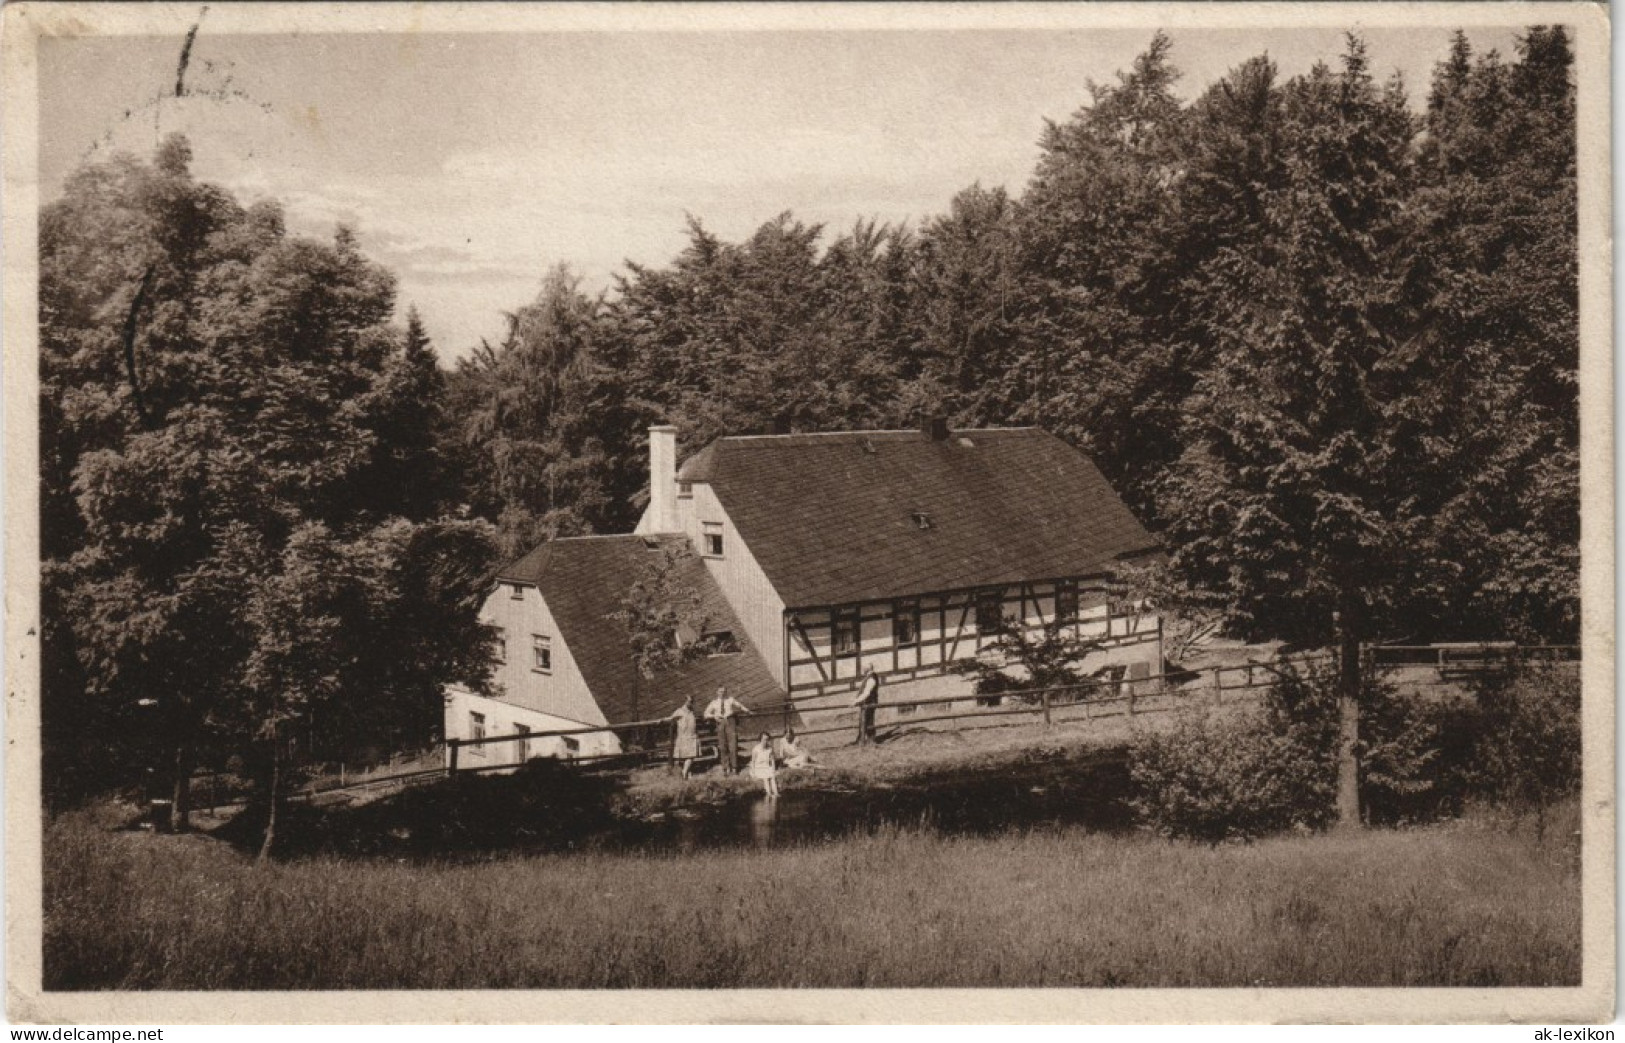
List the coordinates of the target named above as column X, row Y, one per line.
column 1132, row 688
column 1218, row 686
column 452, row 745
column 1044, row 695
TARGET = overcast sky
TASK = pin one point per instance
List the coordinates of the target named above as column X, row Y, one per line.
column 469, row 164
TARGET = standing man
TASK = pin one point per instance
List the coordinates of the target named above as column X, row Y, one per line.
column 723, row 710
column 867, row 699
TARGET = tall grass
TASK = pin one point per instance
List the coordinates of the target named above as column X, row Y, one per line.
column 1468, row 903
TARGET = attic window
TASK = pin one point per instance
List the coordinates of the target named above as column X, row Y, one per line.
column 922, row 520
column 685, row 490
column 516, row 592
column 711, row 534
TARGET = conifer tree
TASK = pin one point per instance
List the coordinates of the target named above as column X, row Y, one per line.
column 1293, row 494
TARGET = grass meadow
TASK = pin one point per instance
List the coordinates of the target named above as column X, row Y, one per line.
column 1477, row 901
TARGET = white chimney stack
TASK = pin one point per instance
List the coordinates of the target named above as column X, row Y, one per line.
column 663, row 478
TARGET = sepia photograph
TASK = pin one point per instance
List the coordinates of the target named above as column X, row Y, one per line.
column 1044, row 512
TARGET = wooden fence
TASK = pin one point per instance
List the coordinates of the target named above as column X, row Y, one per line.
column 1104, row 697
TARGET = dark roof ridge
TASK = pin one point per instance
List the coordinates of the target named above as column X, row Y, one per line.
column 831, row 523
column 895, row 432
column 528, row 566
column 613, row 536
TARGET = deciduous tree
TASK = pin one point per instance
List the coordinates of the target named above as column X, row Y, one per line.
column 228, row 410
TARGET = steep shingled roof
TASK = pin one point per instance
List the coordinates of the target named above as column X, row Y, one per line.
column 583, row 581
column 860, row 516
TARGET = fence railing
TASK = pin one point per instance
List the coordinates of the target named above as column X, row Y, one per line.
column 1097, row 697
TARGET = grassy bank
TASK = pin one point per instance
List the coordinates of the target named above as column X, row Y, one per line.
column 1476, row 902
column 903, row 758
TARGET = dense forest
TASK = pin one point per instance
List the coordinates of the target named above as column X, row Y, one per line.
column 1324, row 343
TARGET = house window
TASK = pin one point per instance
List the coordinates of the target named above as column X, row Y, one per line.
column 523, row 744
column 476, row 730
column 845, row 637
column 499, row 647
column 905, row 623
column 989, row 611
column 721, row 642
column 1066, row 602
column 685, row 490
column 517, row 592
column 711, row 539
column 541, row 648
column 572, row 745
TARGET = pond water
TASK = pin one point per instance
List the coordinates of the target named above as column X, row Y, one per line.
column 1039, row 794
column 551, row 808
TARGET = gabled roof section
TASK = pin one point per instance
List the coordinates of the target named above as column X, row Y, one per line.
column 583, row 581
column 868, row 515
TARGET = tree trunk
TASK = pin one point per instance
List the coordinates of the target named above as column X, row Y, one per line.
column 275, row 795
column 181, row 809
column 1348, row 716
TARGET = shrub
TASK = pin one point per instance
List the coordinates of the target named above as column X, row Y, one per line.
column 1220, row 777
column 1023, row 659
column 1527, row 748
column 1245, row 772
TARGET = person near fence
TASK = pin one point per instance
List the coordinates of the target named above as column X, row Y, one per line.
column 685, row 746
column 723, row 710
column 762, row 766
column 791, row 755
column 867, row 699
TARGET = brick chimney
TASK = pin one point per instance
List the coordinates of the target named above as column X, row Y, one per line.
column 662, row 478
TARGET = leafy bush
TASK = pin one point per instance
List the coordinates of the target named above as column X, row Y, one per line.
column 1527, row 748
column 1023, row 659
column 1219, row 777
column 1245, row 772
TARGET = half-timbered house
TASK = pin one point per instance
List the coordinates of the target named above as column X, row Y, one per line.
column 901, row 551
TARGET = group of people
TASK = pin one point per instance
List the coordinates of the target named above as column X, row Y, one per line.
column 766, row 757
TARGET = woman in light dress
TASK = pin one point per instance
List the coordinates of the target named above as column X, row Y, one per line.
column 686, row 746
column 791, row 755
column 762, row 766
